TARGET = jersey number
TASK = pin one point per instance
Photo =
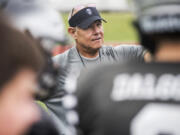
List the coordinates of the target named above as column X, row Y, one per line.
column 157, row 119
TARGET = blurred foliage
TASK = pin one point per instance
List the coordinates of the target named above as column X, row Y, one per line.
column 119, row 28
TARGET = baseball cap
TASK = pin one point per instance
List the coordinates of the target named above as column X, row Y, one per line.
column 85, row 17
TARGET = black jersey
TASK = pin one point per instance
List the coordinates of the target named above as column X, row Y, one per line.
column 130, row 99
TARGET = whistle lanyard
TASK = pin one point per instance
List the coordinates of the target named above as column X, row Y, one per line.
column 82, row 61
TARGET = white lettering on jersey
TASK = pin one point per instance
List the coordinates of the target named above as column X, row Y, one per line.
column 148, row 86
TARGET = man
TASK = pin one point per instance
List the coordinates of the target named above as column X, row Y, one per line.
column 85, row 26
column 21, row 61
column 134, row 98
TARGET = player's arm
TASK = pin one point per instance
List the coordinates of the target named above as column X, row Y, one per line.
column 132, row 52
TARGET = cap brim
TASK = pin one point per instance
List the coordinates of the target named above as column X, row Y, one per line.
column 89, row 21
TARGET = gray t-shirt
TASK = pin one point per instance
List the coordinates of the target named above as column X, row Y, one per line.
column 72, row 62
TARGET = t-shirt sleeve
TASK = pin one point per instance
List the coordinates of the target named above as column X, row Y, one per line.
column 130, row 52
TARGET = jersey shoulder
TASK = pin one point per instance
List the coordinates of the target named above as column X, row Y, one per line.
column 125, row 95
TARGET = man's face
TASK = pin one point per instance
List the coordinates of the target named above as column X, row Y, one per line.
column 18, row 110
column 92, row 37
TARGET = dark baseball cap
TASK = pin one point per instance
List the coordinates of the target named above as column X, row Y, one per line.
column 85, row 17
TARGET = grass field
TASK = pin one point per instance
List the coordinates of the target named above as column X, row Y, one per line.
column 119, row 28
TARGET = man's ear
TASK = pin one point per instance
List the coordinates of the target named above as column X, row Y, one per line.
column 72, row 32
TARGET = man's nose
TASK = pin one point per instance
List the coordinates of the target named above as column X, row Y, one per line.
column 96, row 29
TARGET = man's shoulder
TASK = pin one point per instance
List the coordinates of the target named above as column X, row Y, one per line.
column 125, row 52
column 128, row 47
column 106, row 47
column 61, row 58
column 124, row 47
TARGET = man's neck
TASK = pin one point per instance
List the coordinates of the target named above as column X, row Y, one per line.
column 87, row 53
column 168, row 52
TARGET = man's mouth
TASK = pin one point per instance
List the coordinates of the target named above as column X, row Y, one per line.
column 95, row 39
